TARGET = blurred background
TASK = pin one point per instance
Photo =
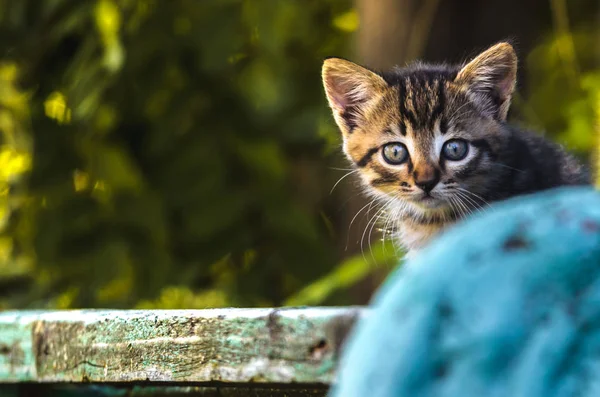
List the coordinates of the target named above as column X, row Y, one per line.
column 180, row 153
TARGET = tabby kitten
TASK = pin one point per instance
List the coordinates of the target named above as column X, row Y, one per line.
column 432, row 143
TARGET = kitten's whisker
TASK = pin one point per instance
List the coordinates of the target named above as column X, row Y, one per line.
column 449, row 195
column 373, row 220
column 396, row 225
column 469, row 201
column 354, row 218
column 478, row 207
column 388, row 214
column 369, row 236
column 506, row 166
column 473, row 194
column 378, row 215
column 473, row 198
column 463, row 209
column 342, row 178
column 359, row 211
column 452, row 207
column 390, row 218
column 466, row 203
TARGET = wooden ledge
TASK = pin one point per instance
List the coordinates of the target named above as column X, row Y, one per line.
column 291, row 347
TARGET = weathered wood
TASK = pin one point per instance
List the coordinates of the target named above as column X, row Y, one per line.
column 84, row 390
column 295, row 348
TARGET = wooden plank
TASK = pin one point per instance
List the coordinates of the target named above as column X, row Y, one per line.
column 86, row 390
column 296, row 346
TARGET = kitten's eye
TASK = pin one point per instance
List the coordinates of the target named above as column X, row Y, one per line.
column 455, row 149
column 395, row 153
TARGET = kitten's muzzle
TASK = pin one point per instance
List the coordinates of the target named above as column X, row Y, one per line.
column 427, row 201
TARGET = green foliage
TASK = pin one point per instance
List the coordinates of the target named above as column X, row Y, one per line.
column 565, row 87
column 345, row 275
column 168, row 136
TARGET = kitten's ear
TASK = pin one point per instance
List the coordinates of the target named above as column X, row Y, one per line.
column 491, row 78
column 350, row 88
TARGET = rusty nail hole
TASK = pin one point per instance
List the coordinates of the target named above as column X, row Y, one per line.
column 4, row 349
column 317, row 351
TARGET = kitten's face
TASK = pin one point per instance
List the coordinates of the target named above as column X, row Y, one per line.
column 424, row 136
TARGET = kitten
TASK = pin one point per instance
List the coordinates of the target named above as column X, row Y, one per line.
column 431, row 141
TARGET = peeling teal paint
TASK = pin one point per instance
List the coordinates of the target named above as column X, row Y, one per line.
column 229, row 346
column 16, row 351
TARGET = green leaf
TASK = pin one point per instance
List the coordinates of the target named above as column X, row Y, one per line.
column 344, row 275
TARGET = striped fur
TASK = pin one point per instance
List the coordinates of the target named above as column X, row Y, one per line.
column 423, row 107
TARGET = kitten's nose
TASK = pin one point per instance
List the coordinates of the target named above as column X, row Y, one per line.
column 426, row 177
column 428, row 184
